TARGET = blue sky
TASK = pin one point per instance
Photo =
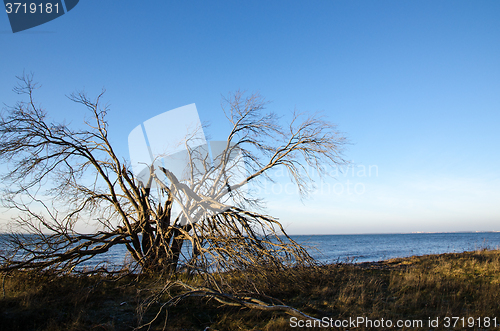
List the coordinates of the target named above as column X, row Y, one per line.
column 415, row 85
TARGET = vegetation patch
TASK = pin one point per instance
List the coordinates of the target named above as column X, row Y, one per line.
column 415, row 288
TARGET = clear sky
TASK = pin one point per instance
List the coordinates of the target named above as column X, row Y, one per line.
column 415, row 85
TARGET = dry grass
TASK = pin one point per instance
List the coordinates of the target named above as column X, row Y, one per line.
column 416, row 288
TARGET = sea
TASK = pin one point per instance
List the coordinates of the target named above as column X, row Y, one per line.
column 377, row 247
column 357, row 248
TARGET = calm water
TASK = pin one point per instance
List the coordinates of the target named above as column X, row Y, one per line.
column 374, row 247
column 366, row 247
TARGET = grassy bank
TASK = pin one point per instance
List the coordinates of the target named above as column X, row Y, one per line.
column 415, row 289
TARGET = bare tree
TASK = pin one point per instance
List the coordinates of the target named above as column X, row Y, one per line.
column 58, row 177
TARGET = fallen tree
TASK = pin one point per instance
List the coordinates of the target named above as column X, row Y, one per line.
column 58, row 177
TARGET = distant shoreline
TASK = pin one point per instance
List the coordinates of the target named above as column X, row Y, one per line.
column 391, row 233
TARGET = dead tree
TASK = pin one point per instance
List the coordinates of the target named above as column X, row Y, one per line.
column 58, row 177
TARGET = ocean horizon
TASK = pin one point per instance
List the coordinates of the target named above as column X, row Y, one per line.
column 377, row 247
column 357, row 248
column 354, row 248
